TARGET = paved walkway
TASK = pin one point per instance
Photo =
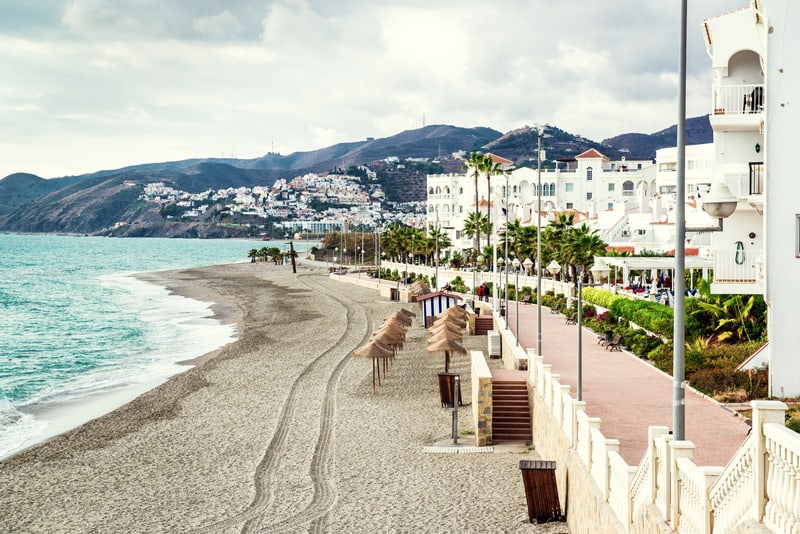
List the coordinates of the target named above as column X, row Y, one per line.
column 627, row 393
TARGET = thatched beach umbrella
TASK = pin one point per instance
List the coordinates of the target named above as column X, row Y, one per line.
column 450, row 319
column 444, row 326
column 401, row 318
column 456, row 311
column 406, row 312
column 447, row 346
column 374, row 350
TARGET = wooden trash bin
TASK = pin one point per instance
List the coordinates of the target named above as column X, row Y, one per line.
column 541, row 490
column 447, row 387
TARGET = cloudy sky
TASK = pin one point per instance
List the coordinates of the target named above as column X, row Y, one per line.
column 100, row 84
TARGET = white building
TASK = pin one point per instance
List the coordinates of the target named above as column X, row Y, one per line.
column 589, row 184
column 755, row 129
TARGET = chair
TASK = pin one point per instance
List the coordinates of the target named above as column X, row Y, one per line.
column 614, row 344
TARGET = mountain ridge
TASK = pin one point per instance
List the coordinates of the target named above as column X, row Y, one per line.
column 93, row 202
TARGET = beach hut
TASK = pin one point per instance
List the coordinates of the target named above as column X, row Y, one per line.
column 432, row 304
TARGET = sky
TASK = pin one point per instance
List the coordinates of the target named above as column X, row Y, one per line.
column 89, row 85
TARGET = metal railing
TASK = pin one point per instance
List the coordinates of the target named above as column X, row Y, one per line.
column 739, row 99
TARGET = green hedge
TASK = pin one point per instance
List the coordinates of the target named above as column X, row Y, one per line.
column 600, row 297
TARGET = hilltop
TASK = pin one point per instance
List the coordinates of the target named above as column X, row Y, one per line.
column 93, row 203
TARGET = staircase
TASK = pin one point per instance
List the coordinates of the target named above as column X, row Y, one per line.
column 483, row 323
column 511, row 415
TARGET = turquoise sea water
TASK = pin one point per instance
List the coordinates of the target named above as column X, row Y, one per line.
column 74, row 325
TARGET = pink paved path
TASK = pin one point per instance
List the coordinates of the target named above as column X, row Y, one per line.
column 627, row 393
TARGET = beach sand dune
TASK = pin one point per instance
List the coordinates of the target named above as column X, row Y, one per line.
column 277, row 432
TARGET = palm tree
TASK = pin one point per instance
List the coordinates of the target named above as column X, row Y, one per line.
column 436, row 241
column 582, row 244
column 490, row 167
column 253, row 254
column 476, row 162
column 263, row 253
column 471, row 227
column 275, row 254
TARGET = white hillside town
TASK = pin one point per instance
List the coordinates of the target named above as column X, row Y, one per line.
column 755, row 249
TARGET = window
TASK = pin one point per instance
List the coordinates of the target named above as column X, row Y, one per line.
column 611, row 207
column 430, row 191
column 514, row 190
column 627, row 188
column 569, row 205
column 461, row 209
column 446, row 190
column 612, row 187
column 460, row 190
column 589, row 174
column 588, row 196
column 568, row 187
column 639, row 166
column 552, row 190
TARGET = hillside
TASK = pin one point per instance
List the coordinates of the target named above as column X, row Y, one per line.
column 92, row 203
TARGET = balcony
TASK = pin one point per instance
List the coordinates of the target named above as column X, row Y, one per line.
column 738, row 107
column 738, row 271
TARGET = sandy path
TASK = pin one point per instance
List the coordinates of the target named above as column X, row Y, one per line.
column 279, row 432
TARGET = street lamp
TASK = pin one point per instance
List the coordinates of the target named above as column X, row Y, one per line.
column 553, row 268
column 516, row 265
column 599, row 271
column 502, row 264
column 718, row 203
column 540, row 130
column 335, row 253
column 527, row 264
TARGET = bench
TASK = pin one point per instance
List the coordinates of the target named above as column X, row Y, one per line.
column 614, row 344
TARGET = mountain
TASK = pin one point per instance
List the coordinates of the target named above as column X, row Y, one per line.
column 698, row 131
column 93, row 203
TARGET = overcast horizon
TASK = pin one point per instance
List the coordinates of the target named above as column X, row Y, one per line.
column 102, row 84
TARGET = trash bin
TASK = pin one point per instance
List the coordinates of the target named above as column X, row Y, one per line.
column 447, row 389
column 541, row 490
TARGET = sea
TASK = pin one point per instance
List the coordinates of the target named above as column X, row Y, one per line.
column 80, row 336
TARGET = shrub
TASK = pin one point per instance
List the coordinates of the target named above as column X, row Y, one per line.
column 458, row 285
column 600, row 297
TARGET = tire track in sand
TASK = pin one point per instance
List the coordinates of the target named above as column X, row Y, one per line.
column 251, row 519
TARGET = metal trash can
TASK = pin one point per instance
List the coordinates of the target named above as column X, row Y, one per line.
column 541, row 490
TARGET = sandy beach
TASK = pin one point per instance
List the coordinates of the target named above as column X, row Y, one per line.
column 277, row 432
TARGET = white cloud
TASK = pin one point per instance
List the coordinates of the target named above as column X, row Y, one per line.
column 112, row 82
column 219, row 26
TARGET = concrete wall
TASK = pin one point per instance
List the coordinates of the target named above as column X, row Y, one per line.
column 481, row 399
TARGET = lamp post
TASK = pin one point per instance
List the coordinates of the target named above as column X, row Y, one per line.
column 502, row 264
column 540, row 130
column 516, row 265
column 335, row 253
column 438, row 229
column 505, row 253
column 553, row 268
column 599, row 271
column 721, row 204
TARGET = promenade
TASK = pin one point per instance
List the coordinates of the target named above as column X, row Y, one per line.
column 626, row 392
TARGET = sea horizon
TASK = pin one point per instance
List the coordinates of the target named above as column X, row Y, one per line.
column 82, row 336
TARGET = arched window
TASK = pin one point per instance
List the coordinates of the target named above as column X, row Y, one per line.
column 627, row 188
column 588, row 174
column 514, row 190
column 446, row 190
column 430, row 191
column 438, row 190
column 552, row 190
column 460, row 190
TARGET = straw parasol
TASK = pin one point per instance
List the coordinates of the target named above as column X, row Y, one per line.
column 450, row 319
column 402, row 318
column 374, row 349
column 448, row 346
column 444, row 325
column 456, row 311
column 406, row 312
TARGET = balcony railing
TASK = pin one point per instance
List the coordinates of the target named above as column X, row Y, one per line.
column 756, row 177
column 737, row 266
column 739, row 99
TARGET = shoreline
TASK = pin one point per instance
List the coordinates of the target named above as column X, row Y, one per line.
column 68, row 414
column 277, row 432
